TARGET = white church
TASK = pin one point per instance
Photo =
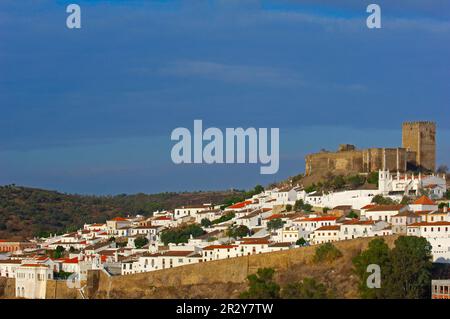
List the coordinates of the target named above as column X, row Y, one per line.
column 390, row 185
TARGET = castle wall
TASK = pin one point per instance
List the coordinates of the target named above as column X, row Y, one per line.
column 419, row 149
column 358, row 161
column 338, row 162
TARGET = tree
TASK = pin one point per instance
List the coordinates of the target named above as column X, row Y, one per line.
column 325, row 210
column 352, row 214
column 58, row 253
column 311, row 188
column 355, row 181
column 262, row 285
column 442, row 169
column 181, row 234
column 307, row 208
column 238, row 232
column 372, row 178
column 288, row 207
column 326, row 252
column 275, row 223
column 410, row 272
column 405, row 200
column 205, row 222
column 442, row 205
column 380, row 200
column 140, row 242
column 308, row 288
column 301, row 242
column 224, row 218
column 258, row 189
column 338, row 182
column 298, row 206
column 377, row 253
column 447, row 194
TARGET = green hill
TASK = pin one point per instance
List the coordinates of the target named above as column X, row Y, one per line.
column 27, row 212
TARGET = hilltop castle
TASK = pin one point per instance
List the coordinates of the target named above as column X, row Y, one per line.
column 418, row 151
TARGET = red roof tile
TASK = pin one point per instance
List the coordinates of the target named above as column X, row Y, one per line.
column 424, row 200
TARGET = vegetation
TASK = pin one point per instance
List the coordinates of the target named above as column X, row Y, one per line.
column 27, row 212
column 301, row 206
column 275, row 223
column 262, row 285
column 352, row 214
column 301, row 242
column 223, row 218
column 311, row 188
column 405, row 270
column 59, row 252
column 447, row 194
column 442, row 205
column 308, row 288
column 372, row 178
column 236, row 198
column 238, row 231
column 405, row 200
column 377, row 253
column 62, row 275
column 181, row 234
column 326, row 253
column 288, row 207
column 140, row 242
column 380, row 200
column 206, row 223
column 442, row 169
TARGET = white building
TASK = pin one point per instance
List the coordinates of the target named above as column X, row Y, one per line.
column 326, row 234
column 190, row 210
column 437, row 234
column 31, row 280
column 411, row 185
column 384, row 212
column 8, row 267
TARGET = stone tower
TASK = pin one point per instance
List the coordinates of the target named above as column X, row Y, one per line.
column 420, row 137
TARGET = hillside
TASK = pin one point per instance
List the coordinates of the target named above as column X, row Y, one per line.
column 227, row 278
column 26, row 212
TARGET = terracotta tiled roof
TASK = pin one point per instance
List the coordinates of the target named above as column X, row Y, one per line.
column 385, row 208
column 212, row 247
column 35, row 265
column 430, row 224
column 333, row 227
column 424, row 200
column 319, row 219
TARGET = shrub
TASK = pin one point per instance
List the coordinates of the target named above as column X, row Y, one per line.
column 262, row 285
column 326, row 252
column 308, row 288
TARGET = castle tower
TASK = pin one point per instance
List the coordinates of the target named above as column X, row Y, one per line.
column 420, row 137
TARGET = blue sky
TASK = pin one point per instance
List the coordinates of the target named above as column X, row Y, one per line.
column 91, row 110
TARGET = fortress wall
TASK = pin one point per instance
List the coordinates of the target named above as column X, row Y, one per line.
column 358, row 161
column 204, row 279
column 343, row 161
column 7, row 287
column 58, row 289
column 418, row 148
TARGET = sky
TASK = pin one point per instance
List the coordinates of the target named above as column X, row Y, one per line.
column 91, row 110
